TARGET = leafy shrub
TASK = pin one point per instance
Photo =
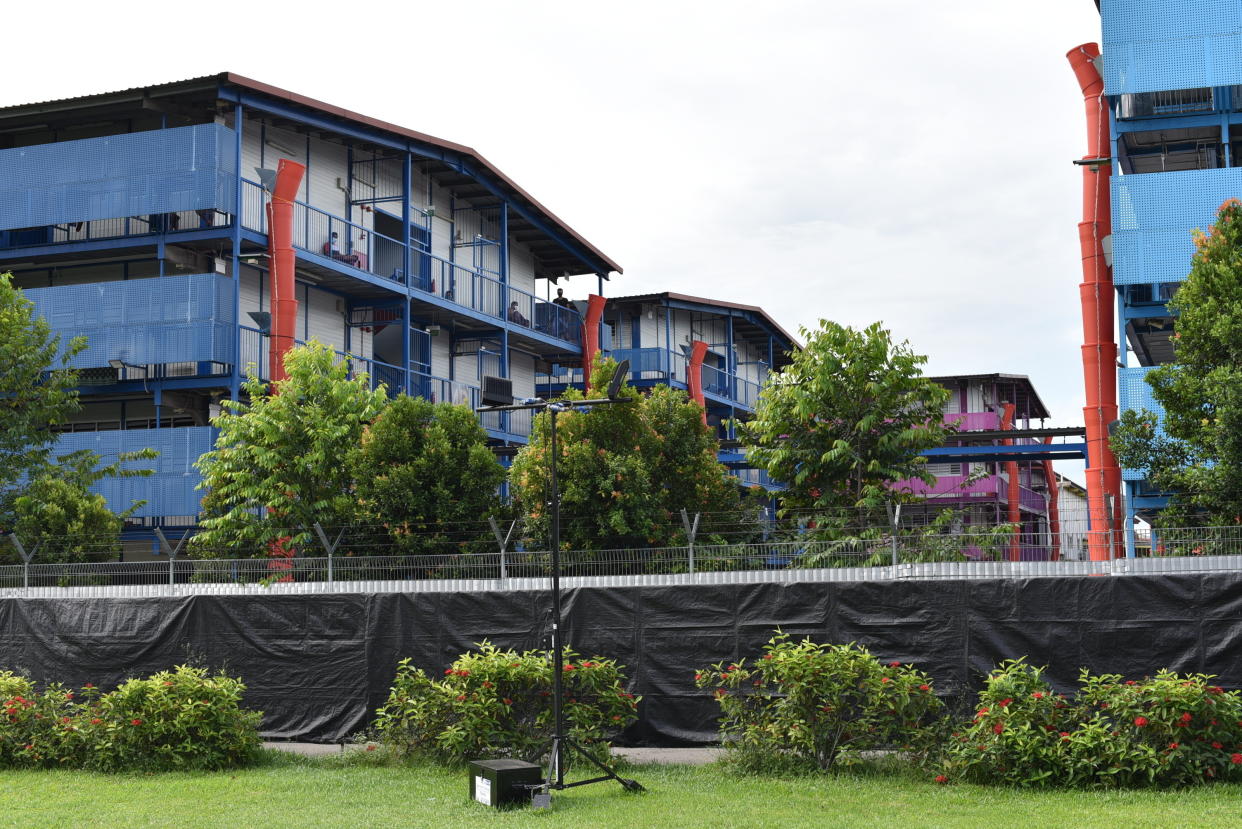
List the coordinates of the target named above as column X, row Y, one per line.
column 498, row 703
column 181, row 719
column 812, row 705
column 1166, row 730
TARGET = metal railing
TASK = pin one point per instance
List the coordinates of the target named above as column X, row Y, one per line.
column 116, row 228
column 875, row 560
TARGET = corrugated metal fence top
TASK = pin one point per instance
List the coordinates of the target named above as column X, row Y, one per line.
column 1155, row 45
column 142, row 173
column 923, row 571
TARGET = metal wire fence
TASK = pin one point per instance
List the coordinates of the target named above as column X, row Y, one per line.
column 349, row 565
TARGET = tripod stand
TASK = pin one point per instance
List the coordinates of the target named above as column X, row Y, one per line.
column 561, row 741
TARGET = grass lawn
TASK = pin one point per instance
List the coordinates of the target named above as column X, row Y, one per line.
column 301, row 792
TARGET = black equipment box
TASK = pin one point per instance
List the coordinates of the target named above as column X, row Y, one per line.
column 503, row 782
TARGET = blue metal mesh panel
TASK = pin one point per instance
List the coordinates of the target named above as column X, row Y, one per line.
column 143, row 173
column 1133, row 392
column 1156, row 45
column 171, row 490
column 171, row 319
column 1153, row 215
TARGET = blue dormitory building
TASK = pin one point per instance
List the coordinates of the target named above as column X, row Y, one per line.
column 137, row 218
column 1173, row 80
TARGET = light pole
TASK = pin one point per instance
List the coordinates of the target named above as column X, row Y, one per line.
column 555, row 778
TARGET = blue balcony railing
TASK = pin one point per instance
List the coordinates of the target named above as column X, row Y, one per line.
column 324, row 234
column 170, row 491
column 661, row 365
column 436, row 389
column 183, row 319
column 117, row 185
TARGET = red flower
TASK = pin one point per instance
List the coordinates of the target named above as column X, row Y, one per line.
column 487, row 684
column 1236, row 759
column 96, row 721
column 1172, row 746
column 69, row 695
column 135, row 722
column 370, row 748
column 1140, row 721
column 721, row 692
column 924, row 687
column 1217, row 745
column 1187, row 717
column 449, row 672
column 616, row 717
column 884, row 679
column 998, row 728
column 1005, row 702
column 569, row 667
column 88, row 685
column 1038, row 695
column 592, row 665
column 463, row 673
column 940, row 778
column 894, row 664
column 461, row 697
column 698, row 676
column 1065, row 735
column 507, row 701
column 767, row 656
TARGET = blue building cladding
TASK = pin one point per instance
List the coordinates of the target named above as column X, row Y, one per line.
column 135, row 174
column 1154, row 214
column 1158, row 45
column 171, row 489
column 159, row 320
column 1133, row 392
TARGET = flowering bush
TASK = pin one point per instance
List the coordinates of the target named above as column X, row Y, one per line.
column 1166, row 730
column 493, row 702
column 183, row 719
column 802, row 703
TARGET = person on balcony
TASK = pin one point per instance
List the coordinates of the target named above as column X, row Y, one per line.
column 561, row 300
column 515, row 315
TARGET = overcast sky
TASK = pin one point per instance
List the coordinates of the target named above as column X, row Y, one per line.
column 888, row 160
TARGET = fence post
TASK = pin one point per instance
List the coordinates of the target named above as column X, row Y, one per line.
column 329, row 547
column 691, row 531
column 503, row 542
column 171, row 552
column 894, row 519
column 26, row 557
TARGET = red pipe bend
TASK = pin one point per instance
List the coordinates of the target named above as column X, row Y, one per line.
column 284, row 264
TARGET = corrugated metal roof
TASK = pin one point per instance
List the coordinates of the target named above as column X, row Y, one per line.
column 233, row 79
column 705, row 301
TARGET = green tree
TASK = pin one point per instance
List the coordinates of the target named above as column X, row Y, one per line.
column 1195, row 451
column 427, row 474
column 37, row 392
column 280, row 462
column 625, row 471
column 846, row 419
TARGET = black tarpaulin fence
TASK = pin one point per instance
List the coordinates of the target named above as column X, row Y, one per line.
column 318, row 665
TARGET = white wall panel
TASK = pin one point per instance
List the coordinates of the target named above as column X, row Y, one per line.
column 522, row 373
column 326, row 320
column 440, row 354
column 329, row 164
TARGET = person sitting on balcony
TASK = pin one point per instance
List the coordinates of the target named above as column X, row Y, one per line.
column 515, row 315
column 333, row 248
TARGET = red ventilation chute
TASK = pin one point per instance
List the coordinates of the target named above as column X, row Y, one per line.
column 694, row 375
column 1099, row 350
column 1054, row 508
column 1014, row 493
column 284, row 262
column 590, row 336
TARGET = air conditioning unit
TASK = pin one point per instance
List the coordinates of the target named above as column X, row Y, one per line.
column 497, row 391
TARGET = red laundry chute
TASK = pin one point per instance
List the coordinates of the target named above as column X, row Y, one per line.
column 590, row 336
column 284, row 262
column 1099, row 350
column 694, row 375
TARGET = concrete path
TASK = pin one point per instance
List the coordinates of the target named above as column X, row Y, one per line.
column 678, row 756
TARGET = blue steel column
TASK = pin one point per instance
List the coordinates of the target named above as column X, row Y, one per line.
column 504, row 302
column 406, row 195
column 668, row 345
column 235, row 378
